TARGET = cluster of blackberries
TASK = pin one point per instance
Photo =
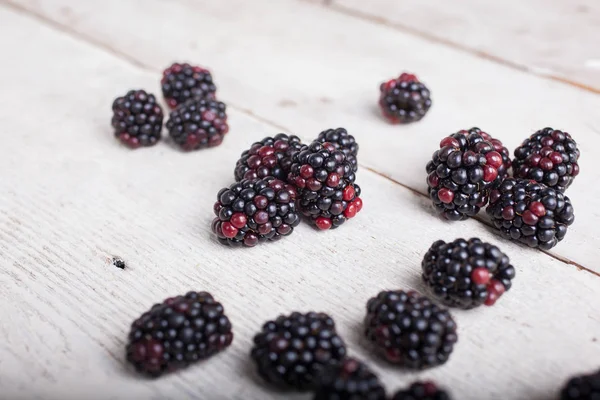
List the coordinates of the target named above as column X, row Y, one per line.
column 197, row 121
column 278, row 178
column 472, row 170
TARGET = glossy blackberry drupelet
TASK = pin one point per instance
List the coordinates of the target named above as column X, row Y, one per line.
column 253, row 211
column 272, row 156
column 404, row 99
column 504, row 153
column 583, row 387
column 342, row 141
column 530, row 212
column 325, row 182
column 461, row 174
column 198, row 124
column 422, row 391
column 292, row 351
column 183, row 82
column 178, row 332
column 466, row 274
column 350, row 380
column 137, row 119
column 409, row 330
column 548, row 156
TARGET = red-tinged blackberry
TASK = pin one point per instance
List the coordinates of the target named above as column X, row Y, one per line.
column 182, row 82
column 466, row 274
column 342, row 141
column 422, row 391
column 548, row 156
column 404, row 99
column 178, row 332
column 291, row 351
column 272, row 156
column 409, row 330
column 350, row 380
column 582, row 387
column 253, row 211
column 461, row 174
column 325, row 182
column 530, row 212
column 198, row 124
column 137, row 119
column 504, row 153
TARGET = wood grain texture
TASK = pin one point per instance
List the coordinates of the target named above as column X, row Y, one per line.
column 555, row 39
column 71, row 197
column 269, row 69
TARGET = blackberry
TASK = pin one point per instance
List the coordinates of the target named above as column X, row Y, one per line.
column 272, row 156
column 183, row 82
column 461, row 174
column 504, row 153
column 410, row 330
column 198, row 124
column 178, row 332
column 291, row 351
column 583, row 387
column 550, row 157
column 325, row 181
column 350, row 380
column 466, row 274
column 137, row 119
column 530, row 212
column 253, row 211
column 404, row 99
column 422, row 391
column 342, row 141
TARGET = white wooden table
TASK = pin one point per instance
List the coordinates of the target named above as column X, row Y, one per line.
column 71, row 197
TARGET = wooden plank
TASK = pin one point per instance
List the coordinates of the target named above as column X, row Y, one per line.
column 269, row 69
column 74, row 198
column 556, row 39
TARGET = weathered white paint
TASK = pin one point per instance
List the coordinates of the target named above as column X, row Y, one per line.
column 71, row 197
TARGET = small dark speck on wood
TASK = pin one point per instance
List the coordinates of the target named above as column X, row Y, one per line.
column 118, row 262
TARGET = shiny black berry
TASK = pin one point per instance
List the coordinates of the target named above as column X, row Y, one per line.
column 410, row 330
column 582, row 387
column 404, row 99
column 350, row 380
column 422, row 391
column 198, row 124
column 549, row 156
column 462, row 172
column 137, row 119
column 342, row 141
column 253, row 211
column 178, row 332
column 272, row 156
column 183, row 82
column 466, row 274
column 530, row 212
column 292, row 351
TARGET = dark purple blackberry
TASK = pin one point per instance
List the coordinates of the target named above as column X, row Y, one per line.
column 178, row 332
column 325, row 182
column 350, row 380
column 291, row 351
column 404, row 99
column 461, row 174
column 466, row 274
column 530, row 212
column 342, row 141
column 137, row 119
column 582, row 387
column 550, row 157
column 422, row 391
column 253, row 211
column 183, row 82
column 198, row 124
column 272, row 156
column 409, row 330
